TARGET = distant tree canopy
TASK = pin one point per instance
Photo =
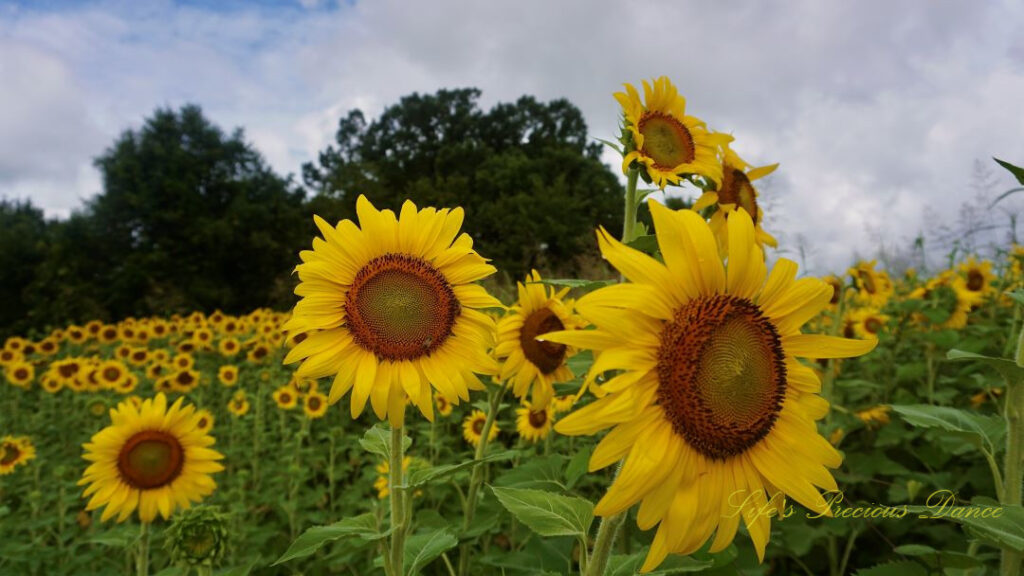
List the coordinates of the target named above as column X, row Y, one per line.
column 532, row 186
column 191, row 218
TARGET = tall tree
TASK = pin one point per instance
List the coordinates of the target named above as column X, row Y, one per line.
column 532, row 186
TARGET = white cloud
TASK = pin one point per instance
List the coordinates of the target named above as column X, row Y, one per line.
column 875, row 110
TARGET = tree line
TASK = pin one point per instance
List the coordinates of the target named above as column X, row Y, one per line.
column 192, row 218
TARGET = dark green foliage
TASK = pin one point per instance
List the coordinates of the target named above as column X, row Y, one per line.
column 532, row 186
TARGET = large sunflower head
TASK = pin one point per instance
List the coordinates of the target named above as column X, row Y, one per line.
column 391, row 310
column 14, row 452
column 736, row 191
column 153, row 459
column 712, row 414
column 534, row 366
column 662, row 140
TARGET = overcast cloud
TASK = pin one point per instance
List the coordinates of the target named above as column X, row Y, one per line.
column 875, row 110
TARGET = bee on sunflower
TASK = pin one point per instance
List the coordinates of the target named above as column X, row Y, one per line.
column 711, row 400
column 534, row 367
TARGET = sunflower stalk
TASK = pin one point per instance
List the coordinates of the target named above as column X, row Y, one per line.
column 142, row 554
column 476, row 478
column 606, row 534
column 396, row 487
column 629, row 220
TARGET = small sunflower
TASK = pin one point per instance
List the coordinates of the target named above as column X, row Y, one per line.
column 20, row 373
column 381, row 484
column 239, row 404
column 390, row 309
column 185, row 381
column 711, row 400
column 14, row 452
column 868, row 322
column 665, row 142
column 258, row 353
column 286, row 398
column 874, row 416
column 534, row 423
column 111, row 374
column 314, row 405
column 444, row 407
column 153, row 459
column 473, row 428
column 229, row 347
column 873, row 286
column 183, row 361
column 228, row 375
column 204, row 420
column 534, row 366
column 947, row 301
column 978, row 277
column 736, row 191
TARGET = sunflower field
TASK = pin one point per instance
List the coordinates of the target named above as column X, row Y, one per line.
column 703, row 409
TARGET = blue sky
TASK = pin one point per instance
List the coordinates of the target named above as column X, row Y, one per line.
column 877, row 111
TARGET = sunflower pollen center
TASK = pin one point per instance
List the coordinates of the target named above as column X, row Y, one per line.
column 975, row 280
column 400, row 307
column 666, row 140
column 150, row 459
column 546, row 356
column 721, row 375
column 538, row 418
column 737, row 189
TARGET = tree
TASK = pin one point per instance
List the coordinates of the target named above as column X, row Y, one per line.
column 23, row 244
column 532, row 186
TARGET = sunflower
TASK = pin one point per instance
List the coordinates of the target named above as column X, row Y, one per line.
column 662, row 140
column 946, row 301
column 711, row 401
column 14, row 344
column 138, row 356
column 444, row 407
column 14, row 452
column 20, row 373
column 391, row 310
column 153, row 458
column 108, row 334
column 229, row 347
column 50, row 383
column 381, row 484
column 534, row 423
column 228, row 375
column 563, row 403
column 531, row 366
column 736, row 191
column 873, row 287
column 185, row 381
column 258, row 353
column 874, row 416
column 8, row 356
column 111, row 373
column 286, row 398
column 473, row 428
column 978, row 277
column 314, row 405
column 183, row 361
column 239, row 404
column 867, row 322
column 204, row 420
column 48, row 346
column 127, row 384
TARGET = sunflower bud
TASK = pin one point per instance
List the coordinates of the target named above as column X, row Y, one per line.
column 198, row 537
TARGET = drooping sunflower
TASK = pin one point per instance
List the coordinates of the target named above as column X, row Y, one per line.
column 14, row 452
column 473, row 428
column 314, row 405
column 154, row 459
column 391, row 310
column 532, row 366
column 534, row 423
column 947, row 301
column 711, row 401
column 978, row 277
column 736, row 191
column 665, row 142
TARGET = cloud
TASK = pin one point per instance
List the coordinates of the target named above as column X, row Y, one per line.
column 875, row 110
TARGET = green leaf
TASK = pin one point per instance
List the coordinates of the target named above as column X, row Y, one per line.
column 623, row 565
column 422, row 476
column 242, row 570
column 611, row 145
column 577, row 466
column 377, row 440
column 949, row 419
column 585, row 285
column 543, row 472
column 1007, row 368
column 1004, row 531
column 546, row 513
column 938, row 559
column 647, row 244
column 902, row 568
column 1016, row 295
column 1017, row 171
column 421, row 549
column 363, row 526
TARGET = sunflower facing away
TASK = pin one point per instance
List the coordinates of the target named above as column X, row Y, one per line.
column 736, row 191
column 390, row 309
column 533, row 366
column 152, row 458
column 663, row 140
column 712, row 413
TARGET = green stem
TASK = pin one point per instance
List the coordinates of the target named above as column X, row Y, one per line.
column 848, row 551
column 930, row 361
column 1014, row 468
column 476, row 478
column 629, row 221
column 142, row 557
column 396, row 495
column 603, row 545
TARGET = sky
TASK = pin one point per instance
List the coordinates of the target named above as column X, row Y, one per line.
column 879, row 112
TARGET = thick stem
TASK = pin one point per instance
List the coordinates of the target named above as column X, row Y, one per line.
column 397, row 497
column 606, row 534
column 629, row 220
column 142, row 556
column 1014, row 468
